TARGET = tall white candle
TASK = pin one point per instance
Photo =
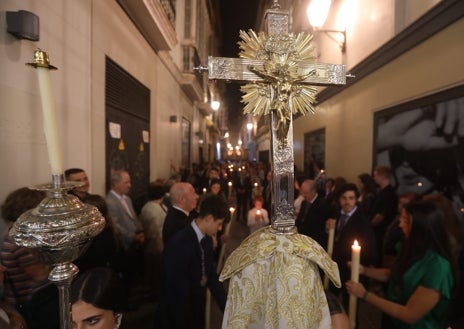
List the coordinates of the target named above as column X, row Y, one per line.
column 355, row 260
column 223, row 247
column 330, row 245
column 230, row 189
column 49, row 120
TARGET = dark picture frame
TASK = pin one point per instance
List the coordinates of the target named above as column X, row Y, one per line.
column 422, row 141
column 314, row 152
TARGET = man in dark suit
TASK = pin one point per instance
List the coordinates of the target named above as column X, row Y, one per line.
column 188, row 269
column 351, row 224
column 385, row 205
column 184, row 200
column 313, row 213
column 243, row 188
column 78, row 175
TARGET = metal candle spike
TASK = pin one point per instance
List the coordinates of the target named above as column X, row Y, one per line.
column 60, row 227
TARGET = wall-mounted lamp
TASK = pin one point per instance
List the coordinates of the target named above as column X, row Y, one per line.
column 317, row 13
column 23, row 25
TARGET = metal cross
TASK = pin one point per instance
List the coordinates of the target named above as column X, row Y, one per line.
column 280, row 71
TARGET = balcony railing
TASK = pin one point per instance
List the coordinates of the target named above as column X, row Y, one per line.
column 170, row 9
column 191, row 59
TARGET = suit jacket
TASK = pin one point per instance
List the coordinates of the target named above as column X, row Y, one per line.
column 311, row 220
column 175, row 221
column 386, row 204
column 358, row 227
column 126, row 223
column 183, row 298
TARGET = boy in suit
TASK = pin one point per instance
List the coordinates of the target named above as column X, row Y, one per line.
column 188, row 269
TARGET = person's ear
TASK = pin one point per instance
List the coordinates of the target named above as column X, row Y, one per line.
column 118, row 318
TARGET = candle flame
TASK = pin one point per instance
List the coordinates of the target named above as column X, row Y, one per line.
column 355, row 244
column 232, row 209
column 258, row 212
column 230, row 183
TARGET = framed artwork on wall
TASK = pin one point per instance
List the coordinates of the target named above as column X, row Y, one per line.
column 422, row 141
column 314, row 152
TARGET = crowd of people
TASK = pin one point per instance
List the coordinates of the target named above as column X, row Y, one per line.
column 412, row 259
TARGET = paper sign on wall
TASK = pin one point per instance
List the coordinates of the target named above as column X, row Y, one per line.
column 115, row 130
column 146, row 136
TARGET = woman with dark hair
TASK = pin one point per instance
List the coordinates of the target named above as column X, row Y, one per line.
column 367, row 189
column 98, row 298
column 27, row 287
column 421, row 282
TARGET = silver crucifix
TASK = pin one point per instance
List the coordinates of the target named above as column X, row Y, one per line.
column 280, row 72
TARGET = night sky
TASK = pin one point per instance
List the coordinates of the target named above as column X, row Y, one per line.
column 236, row 15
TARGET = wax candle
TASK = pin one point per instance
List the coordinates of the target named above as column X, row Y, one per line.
column 258, row 215
column 230, row 189
column 329, row 251
column 232, row 210
column 49, row 120
column 223, row 247
column 355, row 259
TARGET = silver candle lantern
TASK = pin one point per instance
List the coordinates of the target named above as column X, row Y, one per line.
column 61, row 226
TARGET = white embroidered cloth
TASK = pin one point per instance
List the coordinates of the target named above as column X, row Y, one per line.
column 275, row 283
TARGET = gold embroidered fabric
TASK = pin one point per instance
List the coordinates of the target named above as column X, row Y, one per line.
column 275, row 283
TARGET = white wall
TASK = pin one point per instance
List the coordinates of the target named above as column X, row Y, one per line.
column 77, row 36
column 348, row 117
